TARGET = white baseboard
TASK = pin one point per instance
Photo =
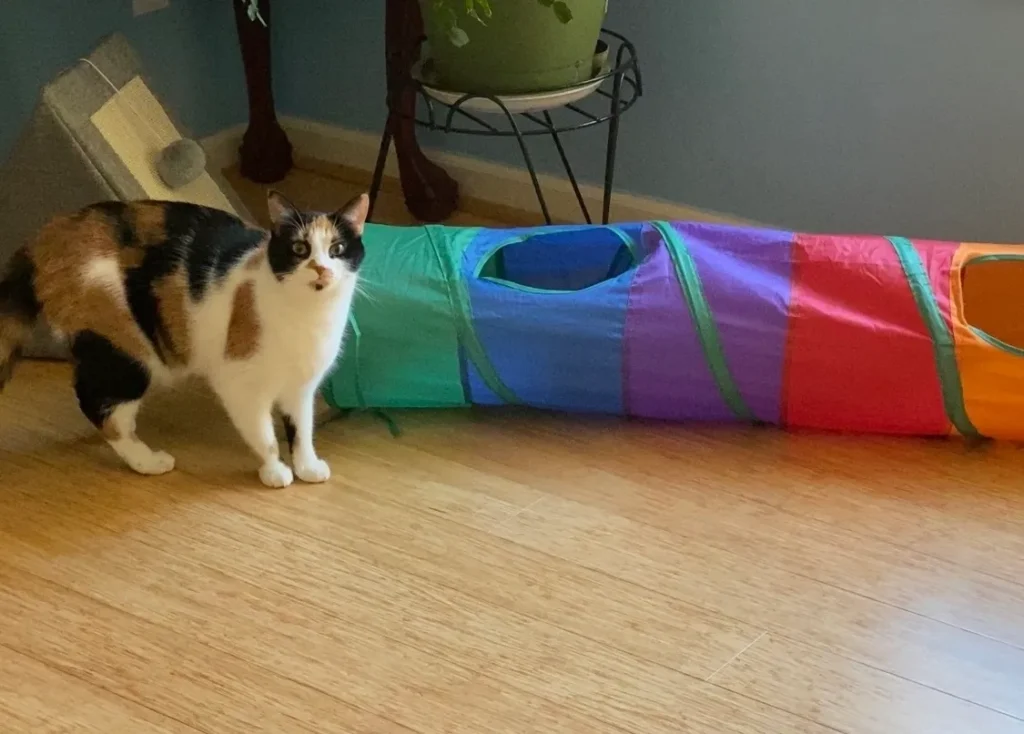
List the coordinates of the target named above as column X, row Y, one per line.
column 478, row 179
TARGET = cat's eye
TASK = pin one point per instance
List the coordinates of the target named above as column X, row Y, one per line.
column 335, row 250
column 300, row 248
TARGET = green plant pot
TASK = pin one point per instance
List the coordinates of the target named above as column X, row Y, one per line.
column 523, row 47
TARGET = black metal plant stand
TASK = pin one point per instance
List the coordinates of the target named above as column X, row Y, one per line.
column 620, row 87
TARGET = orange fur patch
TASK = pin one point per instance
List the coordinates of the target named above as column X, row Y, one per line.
column 130, row 257
column 79, row 281
column 323, row 227
column 244, row 327
column 150, row 222
column 171, row 294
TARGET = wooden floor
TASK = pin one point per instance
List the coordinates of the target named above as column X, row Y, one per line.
column 504, row 571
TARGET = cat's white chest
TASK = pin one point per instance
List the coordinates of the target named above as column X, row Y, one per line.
column 302, row 344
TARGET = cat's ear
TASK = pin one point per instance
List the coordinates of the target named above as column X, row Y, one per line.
column 281, row 210
column 355, row 213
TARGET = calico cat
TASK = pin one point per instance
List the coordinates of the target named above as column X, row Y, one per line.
column 146, row 292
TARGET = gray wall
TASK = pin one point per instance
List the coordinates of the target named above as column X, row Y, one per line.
column 900, row 116
column 189, row 50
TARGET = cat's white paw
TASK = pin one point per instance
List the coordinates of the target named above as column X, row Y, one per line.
column 276, row 474
column 143, row 459
column 313, row 472
column 160, row 462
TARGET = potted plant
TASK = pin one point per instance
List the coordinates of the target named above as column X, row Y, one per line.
column 512, row 46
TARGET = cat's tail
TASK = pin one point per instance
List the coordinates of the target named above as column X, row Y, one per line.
column 19, row 310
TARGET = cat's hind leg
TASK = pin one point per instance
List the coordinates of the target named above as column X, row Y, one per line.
column 297, row 409
column 110, row 386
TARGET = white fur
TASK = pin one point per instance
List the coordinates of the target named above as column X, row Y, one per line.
column 105, row 272
column 135, row 453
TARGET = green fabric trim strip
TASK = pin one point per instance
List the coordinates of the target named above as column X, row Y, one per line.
column 360, row 397
column 459, row 298
column 632, row 247
column 707, row 330
column 942, row 337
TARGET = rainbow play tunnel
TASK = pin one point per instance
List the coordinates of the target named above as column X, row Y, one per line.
column 689, row 321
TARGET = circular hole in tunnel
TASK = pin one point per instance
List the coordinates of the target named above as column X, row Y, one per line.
column 569, row 260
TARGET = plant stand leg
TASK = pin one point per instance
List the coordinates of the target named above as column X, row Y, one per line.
column 378, row 169
column 266, row 152
column 568, row 168
column 613, row 142
column 522, row 149
column 431, row 195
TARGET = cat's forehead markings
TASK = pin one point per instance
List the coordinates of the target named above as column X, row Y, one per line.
column 320, row 231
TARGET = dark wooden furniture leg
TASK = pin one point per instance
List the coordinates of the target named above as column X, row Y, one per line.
column 431, row 195
column 266, row 152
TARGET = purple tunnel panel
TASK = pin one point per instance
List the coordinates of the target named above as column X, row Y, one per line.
column 746, row 275
column 665, row 374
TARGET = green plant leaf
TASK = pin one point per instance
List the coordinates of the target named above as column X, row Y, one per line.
column 471, row 11
column 458, row 37
column 546, row 3
column 485, row 6
column 562, row 11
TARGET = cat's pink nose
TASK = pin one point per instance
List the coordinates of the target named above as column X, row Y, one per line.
column 318, row 269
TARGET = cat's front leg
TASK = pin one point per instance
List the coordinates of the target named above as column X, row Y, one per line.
column 252, row 415
column 297, row 409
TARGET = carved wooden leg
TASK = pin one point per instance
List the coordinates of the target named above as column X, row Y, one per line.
column 430, row 193
column 266, row 152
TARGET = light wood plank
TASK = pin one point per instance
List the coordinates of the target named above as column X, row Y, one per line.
column 324, row 187
column 169, row 673
column 318, row 589
column 691, row 509
column 701, row 575
column 851, row 697
column 947, row 658
column 40, row 700
column 219, row 687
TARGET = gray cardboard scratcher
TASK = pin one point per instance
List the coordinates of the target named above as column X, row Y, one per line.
column 64, row 160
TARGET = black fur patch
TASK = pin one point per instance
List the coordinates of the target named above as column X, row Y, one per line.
column 157, row 262
column 105, row 376
column 216, row 242
column 354, row 251
column 289, row 431
column 17, row 289
column 280, row 255
column 116, row 212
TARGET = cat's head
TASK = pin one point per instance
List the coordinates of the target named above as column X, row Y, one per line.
column 316, row 250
